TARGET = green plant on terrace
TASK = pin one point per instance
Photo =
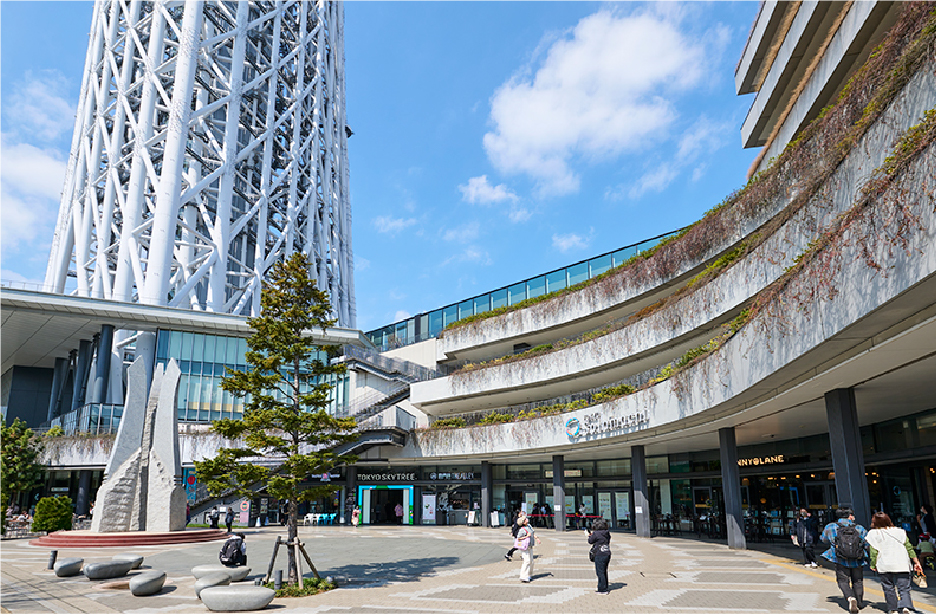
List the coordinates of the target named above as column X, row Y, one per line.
column 454, row 422
column 495, row 418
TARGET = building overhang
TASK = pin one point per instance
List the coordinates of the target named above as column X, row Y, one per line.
column 38, row 327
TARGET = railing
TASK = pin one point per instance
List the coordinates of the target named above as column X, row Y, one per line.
column 411, row 371
column 94, row 418
column 14, row 284
column 428, row 325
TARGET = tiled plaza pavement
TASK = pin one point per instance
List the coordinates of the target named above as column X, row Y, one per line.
column 456, row 570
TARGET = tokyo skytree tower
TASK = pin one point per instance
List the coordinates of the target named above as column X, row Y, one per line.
column 210, row 142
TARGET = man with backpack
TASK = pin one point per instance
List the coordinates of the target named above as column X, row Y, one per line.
column 847, row 552
column 234, row 551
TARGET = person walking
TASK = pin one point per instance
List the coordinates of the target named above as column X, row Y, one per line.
column 356, row 517
column 525, row 541
column 581, row 516
column 514, row 529
column 805, row 534
column 893, row 557
column 229, row 518
column 398, row 510
column 926, row 520
column 214, row 516
column 600, row 539
column 847, row 553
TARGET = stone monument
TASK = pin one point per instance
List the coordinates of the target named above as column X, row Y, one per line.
column 142, row 489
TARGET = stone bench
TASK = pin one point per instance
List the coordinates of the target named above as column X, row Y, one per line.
column 68, row 567
column 209, row 580
column 147, row 583
column 237, row 573
column 136, row 559
column 102, row 570
column 237, row 598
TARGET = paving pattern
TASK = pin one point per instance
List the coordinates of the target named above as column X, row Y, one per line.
column 460, row 570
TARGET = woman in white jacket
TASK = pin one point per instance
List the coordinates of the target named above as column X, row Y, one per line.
column 893, row 557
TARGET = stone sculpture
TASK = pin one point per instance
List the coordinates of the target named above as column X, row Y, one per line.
column 236, row 599
column 142, row 489
column 147, row 583
column 102, row 570
column 68, row 567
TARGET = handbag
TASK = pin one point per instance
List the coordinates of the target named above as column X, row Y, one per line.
column 591, row 552
column 920, row 580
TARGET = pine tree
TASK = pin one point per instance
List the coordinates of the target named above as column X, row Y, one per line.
column 286, row 389
column 20, row 462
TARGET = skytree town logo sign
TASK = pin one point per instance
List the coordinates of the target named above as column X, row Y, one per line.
column 595, row 424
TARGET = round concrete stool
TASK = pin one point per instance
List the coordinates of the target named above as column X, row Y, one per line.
column 101, row 570
column 237, row 598
column 136, row 559
column 68, row 567
column 213, row 579
column 147, row 583
column 237, row 573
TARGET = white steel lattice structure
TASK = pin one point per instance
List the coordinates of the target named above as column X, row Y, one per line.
column 210, row 142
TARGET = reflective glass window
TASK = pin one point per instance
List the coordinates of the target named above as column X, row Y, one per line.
column 435, row 322
column 210, row 341
column 499, row 298
column 465, row 309
column 536, row 287
column 399, row 333
column 231, row 354
column 198, row 348
column 578, row 273
column 175, row 344
column 450, row 314
column 614, row 467
column 411, row 330
column 162, row 345
column 556, row 280
column 482, row 303
column 186, row 353
column 423, row 327
column 600, row 264
column 241, row 351
column 657, row 464
column 516, row 293
column 220, row 349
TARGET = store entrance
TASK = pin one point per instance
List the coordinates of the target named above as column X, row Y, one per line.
column 383, row 506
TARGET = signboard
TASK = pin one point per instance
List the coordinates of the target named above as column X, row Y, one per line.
column 570, row 504
column 59, row 489
column 761, row 460
column 263, row 506
column 599, row 423
column 457, row 476
column 589, row 502
column 472, row 517
column 386, row 477
column 622, row 499
column 189, row 481
column 429, row 507
column 569, row 473
column 530, row 498
column 495, row 519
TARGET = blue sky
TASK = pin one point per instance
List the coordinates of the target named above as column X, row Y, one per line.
column 493, row 140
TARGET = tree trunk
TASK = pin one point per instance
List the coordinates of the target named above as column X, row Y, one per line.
column 293, row 535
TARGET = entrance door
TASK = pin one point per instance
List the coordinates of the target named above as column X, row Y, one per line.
column 702, row 500
column 378, row 504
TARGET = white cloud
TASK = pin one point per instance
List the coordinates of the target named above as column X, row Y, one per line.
column 569, row 241
column 655, row 180
column 471, row 254
column 37, row 107
column 704, row 136
column 597, row 93
column 30, row 186
column 391, row 225
column 519, row 215
column 361, row 263
column 478, row 190
column 402, row 314
column 463, row 234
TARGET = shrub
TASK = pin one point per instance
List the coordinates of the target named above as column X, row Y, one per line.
column 310, row 586
column 449, row 423
column 53, row 514
column 495, row 418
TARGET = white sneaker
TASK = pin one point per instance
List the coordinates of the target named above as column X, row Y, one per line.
column 907, row 611
column 814, row 565
column 853, row 605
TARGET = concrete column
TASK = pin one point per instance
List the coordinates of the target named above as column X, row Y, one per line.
column 559, row 511
column 82, row 367
column 731, row 488
column 59, row 374
column 487, row 492
column 847, row 454
column 102, row 372
column 641, row 492
column 84, row 492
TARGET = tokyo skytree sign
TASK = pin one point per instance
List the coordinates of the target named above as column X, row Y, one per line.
column 210, row 141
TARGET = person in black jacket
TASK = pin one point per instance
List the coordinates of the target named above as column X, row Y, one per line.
column 513, row 531
column 600, row 539
column 806, row 532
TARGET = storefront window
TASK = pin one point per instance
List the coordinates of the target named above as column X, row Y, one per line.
column 613, row 467
column 524, row 472
column 657, row 464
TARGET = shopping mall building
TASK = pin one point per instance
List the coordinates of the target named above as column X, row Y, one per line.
column 776, row 354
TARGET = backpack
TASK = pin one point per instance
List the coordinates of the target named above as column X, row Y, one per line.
column 514, row 529
column 230, row 552
column 848, row 543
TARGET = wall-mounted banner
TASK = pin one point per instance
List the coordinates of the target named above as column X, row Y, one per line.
column 598, row 423
column 428, row 507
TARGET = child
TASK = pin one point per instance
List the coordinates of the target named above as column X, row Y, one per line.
column 926, row 550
